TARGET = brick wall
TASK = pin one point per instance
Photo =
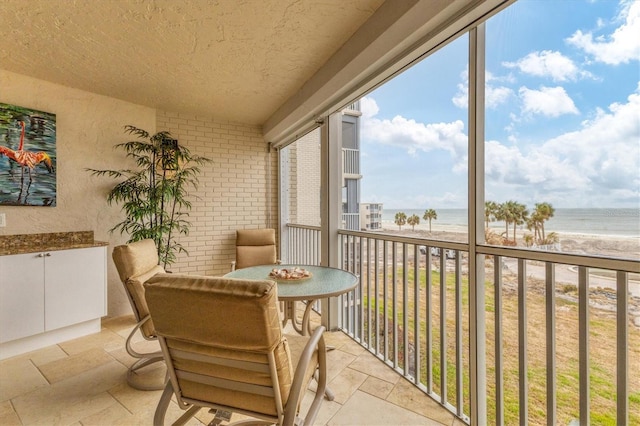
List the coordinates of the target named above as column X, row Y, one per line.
column 238, row 190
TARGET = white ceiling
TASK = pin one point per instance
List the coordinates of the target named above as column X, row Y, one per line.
column 237, row 60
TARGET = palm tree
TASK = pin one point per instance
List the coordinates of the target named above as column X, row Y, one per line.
column 545, row 212
column 513, row 212
column 490, row 211
column 430, row 215
column 400, row 219
column 520, row 217
column 503, row 213
column 413, row 220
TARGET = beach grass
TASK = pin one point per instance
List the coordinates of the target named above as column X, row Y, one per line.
column 602, row 344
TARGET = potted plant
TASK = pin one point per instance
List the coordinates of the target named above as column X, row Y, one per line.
column 155, row 196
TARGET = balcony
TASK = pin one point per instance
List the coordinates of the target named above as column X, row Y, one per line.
column 552, row 343
column 83, row 382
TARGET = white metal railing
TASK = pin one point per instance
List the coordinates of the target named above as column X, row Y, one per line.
column 350, row 161
column 302, row 245
column 411, row 311
column 351, row 221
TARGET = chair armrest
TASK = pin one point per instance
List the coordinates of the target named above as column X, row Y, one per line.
column 316, row 342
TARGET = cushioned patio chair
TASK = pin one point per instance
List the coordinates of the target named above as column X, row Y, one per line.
column 137, row 262
column 225, row 350
column 255, row 247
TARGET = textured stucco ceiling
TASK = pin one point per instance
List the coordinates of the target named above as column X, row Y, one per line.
column 237, row 60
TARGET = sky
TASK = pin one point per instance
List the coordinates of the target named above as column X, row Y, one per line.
column 562, row 100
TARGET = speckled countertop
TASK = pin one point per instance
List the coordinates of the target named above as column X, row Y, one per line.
column 32, row 243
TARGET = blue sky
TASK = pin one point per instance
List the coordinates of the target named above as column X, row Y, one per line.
column 562, row 114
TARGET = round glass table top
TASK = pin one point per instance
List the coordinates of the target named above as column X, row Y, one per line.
column 324, row 281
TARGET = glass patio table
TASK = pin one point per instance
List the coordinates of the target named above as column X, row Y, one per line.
column 324, row 282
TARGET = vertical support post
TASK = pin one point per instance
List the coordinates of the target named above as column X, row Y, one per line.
column 283, row 202
column 622, row 350
column 583, row 343
column 477, row 339
column 550, row 296
column 330, row 206
column 523, row 382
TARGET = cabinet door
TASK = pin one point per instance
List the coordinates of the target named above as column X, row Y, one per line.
column 75, row 286
column 21, row 296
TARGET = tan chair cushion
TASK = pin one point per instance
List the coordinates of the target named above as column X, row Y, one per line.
column 137, row 262
column 135, row 258
column 217, row 311
column 230, row 319
column 255, row 247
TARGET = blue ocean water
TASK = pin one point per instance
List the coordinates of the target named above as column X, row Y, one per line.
column 603, row 221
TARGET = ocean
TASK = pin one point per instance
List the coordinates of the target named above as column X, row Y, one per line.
column 597, row 221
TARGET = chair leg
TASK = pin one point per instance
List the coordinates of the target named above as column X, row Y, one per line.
column 144, row 359
column 163, row 404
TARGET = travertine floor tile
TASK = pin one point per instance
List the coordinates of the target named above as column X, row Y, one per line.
column 365, row 409
column 61, row 369
column 327, row 409
column 336, row 362
column 406, row 395
column 135, row 400
column 106, row 340
column 72, row 399
column 8, row 416
column 107, row 416
column 346, row 383
column 143, row 347
column 19, row 376
column 117, row 324
column 369, row 364
column 377, row 387
column 44, row 355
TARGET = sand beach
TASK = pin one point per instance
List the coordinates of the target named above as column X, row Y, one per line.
column 590, row 244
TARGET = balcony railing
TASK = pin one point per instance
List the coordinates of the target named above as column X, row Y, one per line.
column 551, row 356
column 351, row 161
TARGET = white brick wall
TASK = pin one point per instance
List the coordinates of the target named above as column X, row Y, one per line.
column 236, row 190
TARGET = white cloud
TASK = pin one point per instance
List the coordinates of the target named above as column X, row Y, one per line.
column 622, row 46
column 602, row 157
column 413, row 136
column 494, row 96
column 548, row 101
column 548, row 64
column 368, row 107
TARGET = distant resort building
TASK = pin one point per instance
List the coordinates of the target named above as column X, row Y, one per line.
column 370, row 216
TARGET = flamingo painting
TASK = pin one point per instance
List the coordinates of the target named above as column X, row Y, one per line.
column 27, row 149
column 29, row 159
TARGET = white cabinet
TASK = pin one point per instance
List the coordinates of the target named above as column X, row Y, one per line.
column 21, row 296
column 41, row 292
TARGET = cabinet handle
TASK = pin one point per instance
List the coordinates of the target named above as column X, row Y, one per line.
column 40, row 255
column 48, row 254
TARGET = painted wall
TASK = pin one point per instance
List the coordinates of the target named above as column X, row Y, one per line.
column 237, row 190
column 88, row 126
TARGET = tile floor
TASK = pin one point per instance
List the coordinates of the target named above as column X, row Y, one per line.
column 83, row 382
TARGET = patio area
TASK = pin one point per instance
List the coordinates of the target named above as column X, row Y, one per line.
column 83, row 382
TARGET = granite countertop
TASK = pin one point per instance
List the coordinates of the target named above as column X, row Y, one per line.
column 33, row 243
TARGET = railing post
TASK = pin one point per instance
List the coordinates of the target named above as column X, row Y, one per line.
column 330, row 207
column 477, row 339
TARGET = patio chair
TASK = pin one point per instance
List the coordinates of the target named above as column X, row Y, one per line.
column 255, row 247
column 137, row 262
column 224, row 347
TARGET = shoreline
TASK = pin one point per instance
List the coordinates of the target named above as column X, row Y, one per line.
column 578, row 243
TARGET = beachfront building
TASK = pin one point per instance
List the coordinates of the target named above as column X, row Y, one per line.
column 371, row 216
column 493, row 335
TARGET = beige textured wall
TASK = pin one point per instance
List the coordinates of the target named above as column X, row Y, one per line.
column 88, row 126
column 238, row 190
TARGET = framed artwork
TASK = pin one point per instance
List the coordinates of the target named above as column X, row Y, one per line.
column 27, row 157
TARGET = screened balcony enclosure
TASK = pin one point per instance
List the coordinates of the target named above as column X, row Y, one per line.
column 498, row 320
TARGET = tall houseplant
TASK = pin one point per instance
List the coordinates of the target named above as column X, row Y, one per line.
column 155, row 196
